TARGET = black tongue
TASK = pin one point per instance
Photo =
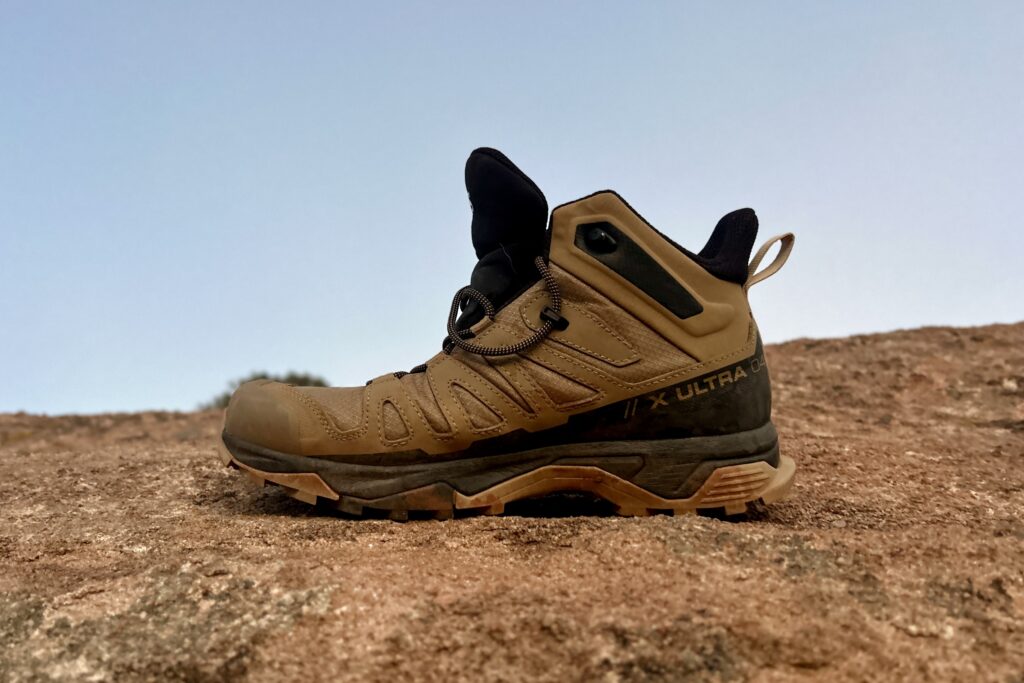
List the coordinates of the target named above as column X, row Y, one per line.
column 508, row 207
column 509, row 219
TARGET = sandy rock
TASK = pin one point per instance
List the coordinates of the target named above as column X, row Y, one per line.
column 129, row 553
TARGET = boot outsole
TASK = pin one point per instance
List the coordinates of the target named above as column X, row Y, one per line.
column 728, row 489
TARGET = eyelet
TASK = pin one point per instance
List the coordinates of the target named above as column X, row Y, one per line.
column 557, row 321
column 600, row 241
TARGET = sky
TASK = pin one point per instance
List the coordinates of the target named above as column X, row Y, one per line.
column 192, row 191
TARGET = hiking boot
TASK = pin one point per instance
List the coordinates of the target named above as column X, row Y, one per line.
column 590, row 354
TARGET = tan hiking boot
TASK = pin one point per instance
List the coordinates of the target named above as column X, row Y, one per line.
column 596, row 355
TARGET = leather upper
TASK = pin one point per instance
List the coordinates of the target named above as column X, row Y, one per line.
column 620, row 342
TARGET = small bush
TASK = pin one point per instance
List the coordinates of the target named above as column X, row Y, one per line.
column 300, row 379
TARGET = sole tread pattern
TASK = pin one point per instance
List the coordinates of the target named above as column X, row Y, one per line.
column 729, row 489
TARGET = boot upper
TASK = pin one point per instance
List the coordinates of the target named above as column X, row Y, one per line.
column 643, row 315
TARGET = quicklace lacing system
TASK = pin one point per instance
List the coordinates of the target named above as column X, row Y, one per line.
column 551, row 319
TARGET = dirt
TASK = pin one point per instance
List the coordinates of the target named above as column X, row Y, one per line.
column 128, row 552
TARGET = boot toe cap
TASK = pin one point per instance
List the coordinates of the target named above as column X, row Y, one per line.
column 268, row 414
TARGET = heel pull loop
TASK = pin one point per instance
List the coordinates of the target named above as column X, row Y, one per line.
column 753, row 276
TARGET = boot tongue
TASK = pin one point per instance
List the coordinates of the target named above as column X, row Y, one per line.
column 509, row 219
column 508, row 208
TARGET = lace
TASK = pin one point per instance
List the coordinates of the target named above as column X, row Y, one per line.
column 551, row 320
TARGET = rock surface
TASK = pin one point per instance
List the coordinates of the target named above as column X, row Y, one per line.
column 128, row 552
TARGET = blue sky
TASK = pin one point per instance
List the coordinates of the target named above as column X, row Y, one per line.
column 192, row 191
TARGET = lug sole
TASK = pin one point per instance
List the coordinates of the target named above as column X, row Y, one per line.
column 727, row 488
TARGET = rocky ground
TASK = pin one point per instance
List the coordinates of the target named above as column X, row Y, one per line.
column 128, row 552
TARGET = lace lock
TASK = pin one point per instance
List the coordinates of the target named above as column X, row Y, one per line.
column 554, row 317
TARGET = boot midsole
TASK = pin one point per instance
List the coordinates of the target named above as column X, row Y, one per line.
column 670, row 468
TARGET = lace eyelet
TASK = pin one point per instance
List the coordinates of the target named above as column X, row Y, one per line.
column 558, row 322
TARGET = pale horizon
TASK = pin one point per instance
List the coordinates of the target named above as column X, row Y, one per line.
column 191, row 193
